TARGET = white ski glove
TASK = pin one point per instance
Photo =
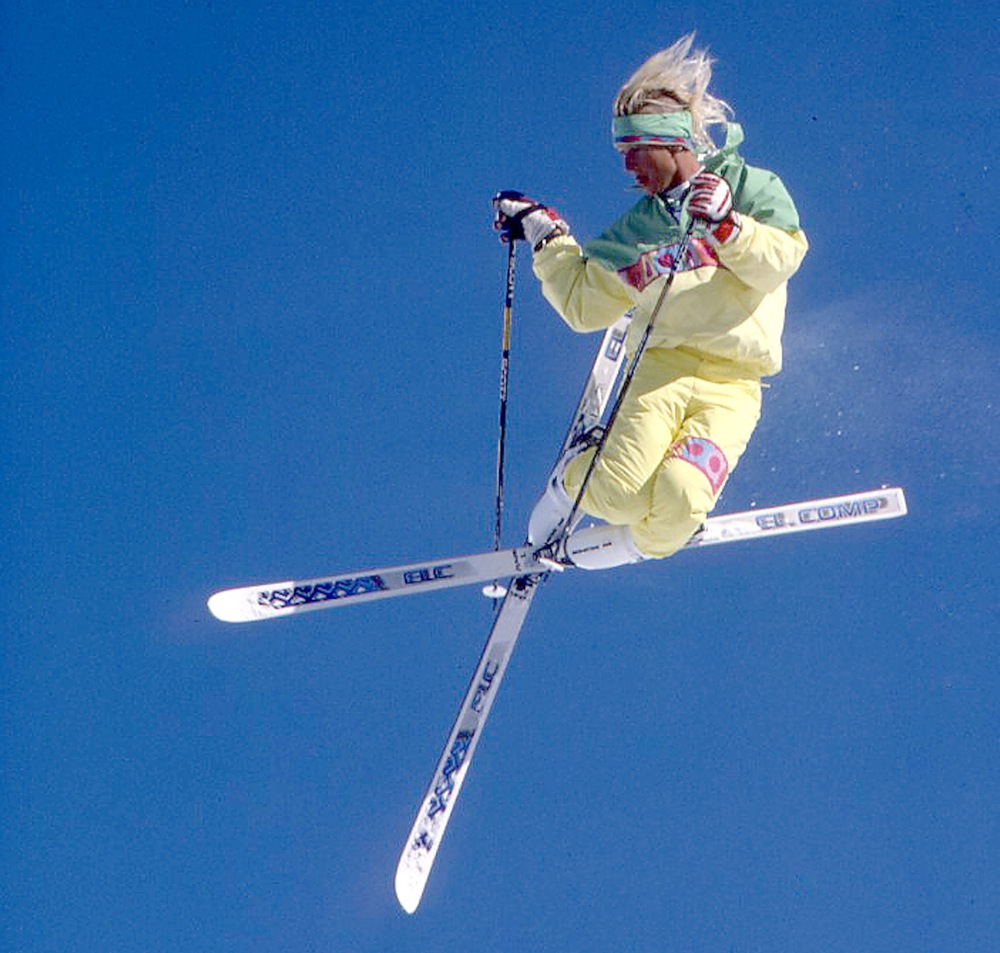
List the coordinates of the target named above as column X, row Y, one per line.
column 518, row 217
column 711, row 200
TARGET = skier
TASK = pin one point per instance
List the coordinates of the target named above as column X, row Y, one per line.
column 695, row 397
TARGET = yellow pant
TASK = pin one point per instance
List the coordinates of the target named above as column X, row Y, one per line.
column 679, row 433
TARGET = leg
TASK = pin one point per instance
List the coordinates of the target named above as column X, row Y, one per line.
column 620, row 490
column 686, row 486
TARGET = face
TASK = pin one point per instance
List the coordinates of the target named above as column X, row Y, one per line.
column 656, row 168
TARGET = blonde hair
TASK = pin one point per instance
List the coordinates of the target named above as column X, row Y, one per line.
column 672, row 80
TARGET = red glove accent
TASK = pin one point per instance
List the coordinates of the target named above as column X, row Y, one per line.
column 711, row 200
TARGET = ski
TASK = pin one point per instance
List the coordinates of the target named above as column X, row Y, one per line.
column 277, row 599
column 847, row 510
column 428, row 829
column 432, row 819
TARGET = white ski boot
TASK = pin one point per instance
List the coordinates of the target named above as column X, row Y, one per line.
column 554, row 505
column 602, row 547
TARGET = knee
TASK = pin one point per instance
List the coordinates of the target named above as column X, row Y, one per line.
column 682, row 494
column 682, row 499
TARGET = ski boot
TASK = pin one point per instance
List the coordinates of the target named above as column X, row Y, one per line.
column 547, row 520
column 593, row 547
column 602, row 547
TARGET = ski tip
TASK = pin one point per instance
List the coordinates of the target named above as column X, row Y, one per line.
column 226, row 608
column 239, row 605
column 245, row 605
column 409, row 889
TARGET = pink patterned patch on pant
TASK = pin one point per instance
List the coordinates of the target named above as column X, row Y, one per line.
column 706, row 456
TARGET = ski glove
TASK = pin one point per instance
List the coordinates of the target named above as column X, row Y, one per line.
column 711, row 200
column 517, row 217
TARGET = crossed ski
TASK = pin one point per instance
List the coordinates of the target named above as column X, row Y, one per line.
column 276, row 599
column 524, row 569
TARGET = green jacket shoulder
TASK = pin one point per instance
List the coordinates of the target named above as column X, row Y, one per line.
column 649, row 224
column 758, row 193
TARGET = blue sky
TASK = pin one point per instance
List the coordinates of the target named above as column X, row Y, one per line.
column 252, row 309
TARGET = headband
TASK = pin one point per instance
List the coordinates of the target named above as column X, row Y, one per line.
column 653, row 129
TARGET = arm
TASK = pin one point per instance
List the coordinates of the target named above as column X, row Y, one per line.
column 762, row 256
column 586, row 295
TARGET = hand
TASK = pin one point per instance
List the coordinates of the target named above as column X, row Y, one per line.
column 711, row 200
column 518, row 217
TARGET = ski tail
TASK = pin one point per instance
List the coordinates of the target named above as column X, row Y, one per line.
column 850, row 509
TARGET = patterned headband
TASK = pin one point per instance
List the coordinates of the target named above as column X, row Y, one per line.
column 653, row 129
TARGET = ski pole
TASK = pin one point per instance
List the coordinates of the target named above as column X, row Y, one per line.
column 681, row 254
column 508, row 303
column 496, row 590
